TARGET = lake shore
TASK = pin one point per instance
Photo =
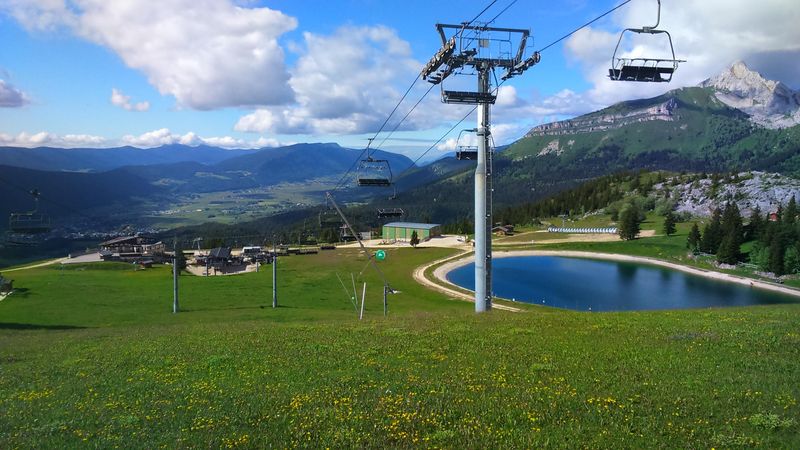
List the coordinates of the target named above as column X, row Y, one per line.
column 440, row 273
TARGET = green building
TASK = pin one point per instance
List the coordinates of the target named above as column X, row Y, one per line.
column 401, row 231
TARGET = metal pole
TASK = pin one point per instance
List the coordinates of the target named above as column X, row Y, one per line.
column 363, row 298
column 385, row 304
column 369, row 254
column 483, row 288
column 274, row 276
column 175, row 278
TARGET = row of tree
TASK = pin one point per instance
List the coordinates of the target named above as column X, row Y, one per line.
column 777, row 246
column 776, row 238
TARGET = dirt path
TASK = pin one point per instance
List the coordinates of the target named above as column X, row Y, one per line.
column 419, row 277
column 34, row 266
column 574, row 237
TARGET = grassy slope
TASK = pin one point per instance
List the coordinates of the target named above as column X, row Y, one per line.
column 228, row 372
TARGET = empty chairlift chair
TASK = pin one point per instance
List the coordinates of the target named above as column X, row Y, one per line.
column 390, row 212
column 465, row 152
column 374, row 172
column 32, row 222
column 644, row 69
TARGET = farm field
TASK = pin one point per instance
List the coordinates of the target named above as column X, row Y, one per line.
column 91, row 356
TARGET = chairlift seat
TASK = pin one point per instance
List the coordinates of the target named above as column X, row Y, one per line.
column 467, row 155
column 651, row 74
column 468, row 97
column 653, row 70
column 390, row 212
column 29, row 223
column 374, row 173
column 374, row 182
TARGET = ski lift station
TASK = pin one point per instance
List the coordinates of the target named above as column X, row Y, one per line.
column 401, row 231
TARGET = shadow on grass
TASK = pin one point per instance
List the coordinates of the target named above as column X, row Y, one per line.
column 31, row 326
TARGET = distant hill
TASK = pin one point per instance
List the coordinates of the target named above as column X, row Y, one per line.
column 693, row 129
column 294, row 163
column 69, row 193
column 104, row 159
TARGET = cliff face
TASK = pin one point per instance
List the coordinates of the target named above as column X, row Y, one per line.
column 748, row 190
column 603, row 122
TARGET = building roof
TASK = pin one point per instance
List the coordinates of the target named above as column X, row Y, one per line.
column 420, row 226
column 220, row 252
column 120, row 240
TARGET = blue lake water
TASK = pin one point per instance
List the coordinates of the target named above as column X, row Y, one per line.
column 588, row 284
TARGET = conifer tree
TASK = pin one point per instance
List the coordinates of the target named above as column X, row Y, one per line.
column 629, row 222
column 791, row 260
column 732, row 235
column 790, row 213
column 756, row 224
column 712, row 234
column 776, row 255
column 669, row 223
column 414, row 239
column 693, row 241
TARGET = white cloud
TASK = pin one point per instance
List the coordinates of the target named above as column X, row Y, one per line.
column 164, row 136
column 39, row 15
column 45, row 139
column 124, row 101
column 11, row 97
column 206, row 53
column 153, row 138
column 349, row 90
column 710, row 35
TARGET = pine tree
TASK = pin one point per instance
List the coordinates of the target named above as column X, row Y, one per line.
column 693, row 241
column 728, row 252
column 414, row 239
column 712, row 234
column 732, row 235
column 790, row 213
column 756, row 224
column 776, row 254
column 629, row 222
column 791, row 260
column 669, row 223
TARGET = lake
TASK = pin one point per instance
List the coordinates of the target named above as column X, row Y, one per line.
column 597, row 285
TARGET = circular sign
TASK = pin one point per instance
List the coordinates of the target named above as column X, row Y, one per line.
column 380, row 255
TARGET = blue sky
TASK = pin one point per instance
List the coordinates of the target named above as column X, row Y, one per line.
column 265, row 73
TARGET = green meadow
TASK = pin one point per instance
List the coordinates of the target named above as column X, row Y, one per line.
column 91, row 356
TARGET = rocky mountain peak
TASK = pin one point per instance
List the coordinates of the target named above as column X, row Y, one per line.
column 769, row 103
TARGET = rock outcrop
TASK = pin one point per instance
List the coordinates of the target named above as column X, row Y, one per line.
column 769, row 103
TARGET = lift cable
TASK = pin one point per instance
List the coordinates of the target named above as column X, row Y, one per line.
column 407, row 114
column 585, row 25
column 501, row 83
column 342, row 180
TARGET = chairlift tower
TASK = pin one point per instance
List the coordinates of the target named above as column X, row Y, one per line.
column 482, row 49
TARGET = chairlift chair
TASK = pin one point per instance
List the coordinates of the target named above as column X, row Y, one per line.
column 373, row 172
column 329, row 219
column 466, row 152
column 32, row 222
column 390, row 212
column 642, row 69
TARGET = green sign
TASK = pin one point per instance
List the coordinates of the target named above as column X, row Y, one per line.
column 380, row 255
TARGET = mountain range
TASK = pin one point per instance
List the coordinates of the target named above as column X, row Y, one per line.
column 67, row 192
column 737, row 120
column 696, row 129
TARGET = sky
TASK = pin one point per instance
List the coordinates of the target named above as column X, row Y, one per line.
column 253, row 74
